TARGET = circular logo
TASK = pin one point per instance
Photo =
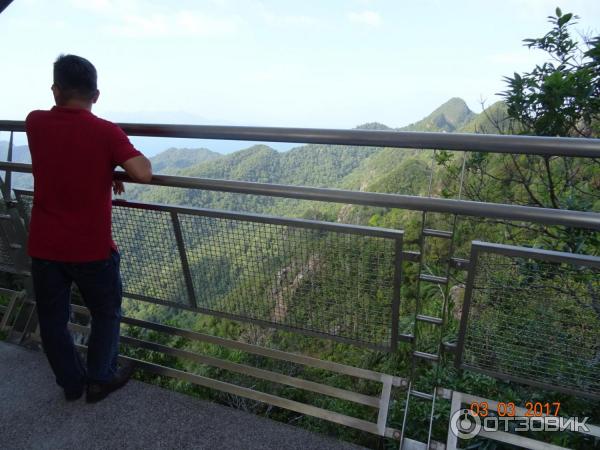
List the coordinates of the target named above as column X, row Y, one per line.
column 465, row 424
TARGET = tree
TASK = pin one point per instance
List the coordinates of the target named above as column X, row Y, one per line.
column 560, row 97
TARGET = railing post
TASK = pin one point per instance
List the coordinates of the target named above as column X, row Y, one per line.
column 8, row 177
column 396, row 292
column 184, row 261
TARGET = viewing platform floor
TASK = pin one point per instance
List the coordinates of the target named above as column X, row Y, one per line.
column 35, row 415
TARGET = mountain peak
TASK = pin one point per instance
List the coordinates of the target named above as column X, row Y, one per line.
column 448, row 117
column 373, row 126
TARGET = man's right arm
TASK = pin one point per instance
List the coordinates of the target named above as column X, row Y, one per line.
column 138, row 168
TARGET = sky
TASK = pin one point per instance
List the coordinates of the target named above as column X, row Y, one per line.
column 311, row 63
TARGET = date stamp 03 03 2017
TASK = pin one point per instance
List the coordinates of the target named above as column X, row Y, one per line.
column 466, row 423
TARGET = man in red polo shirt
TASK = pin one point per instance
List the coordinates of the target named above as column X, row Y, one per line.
column 74, row 154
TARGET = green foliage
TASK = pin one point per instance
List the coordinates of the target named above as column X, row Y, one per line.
column 560, row 96
column 556, row 98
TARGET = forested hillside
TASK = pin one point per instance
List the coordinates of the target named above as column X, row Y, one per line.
column 173, row 159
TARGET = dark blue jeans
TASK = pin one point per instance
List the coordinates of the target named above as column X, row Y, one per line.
column 100, row 285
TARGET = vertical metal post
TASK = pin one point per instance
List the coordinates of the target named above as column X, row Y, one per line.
column 384, row 404
column 455, row 403
column 396, row 292
column 466, row 306
column 187, row 274
column 8, row 177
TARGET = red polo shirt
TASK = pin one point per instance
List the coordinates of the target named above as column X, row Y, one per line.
column 74, row 154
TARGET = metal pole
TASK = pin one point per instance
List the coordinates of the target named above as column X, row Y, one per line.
column 396, row 293
column 527, row 145
column 547, row 216
column 184, row 261
column 8, row 177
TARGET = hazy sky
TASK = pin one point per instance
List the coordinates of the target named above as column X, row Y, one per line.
column 327, row 63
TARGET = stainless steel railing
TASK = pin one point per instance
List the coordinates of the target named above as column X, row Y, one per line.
column 578, row 219
column 527, row 145
column 557, row 291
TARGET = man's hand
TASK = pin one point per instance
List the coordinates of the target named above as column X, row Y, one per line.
column 118, row 187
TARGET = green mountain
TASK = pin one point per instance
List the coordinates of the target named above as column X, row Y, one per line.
column 373, row 126
column 449, row 117
column 492, row 120
column 173, row 159
column 307, row 165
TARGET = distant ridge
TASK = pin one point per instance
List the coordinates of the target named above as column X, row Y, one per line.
column 454, row 116
column 174, row 159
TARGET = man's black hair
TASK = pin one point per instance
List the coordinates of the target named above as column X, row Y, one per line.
column 75, row 77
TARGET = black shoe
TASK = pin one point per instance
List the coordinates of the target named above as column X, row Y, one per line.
column 71, row 396
column 98, row 391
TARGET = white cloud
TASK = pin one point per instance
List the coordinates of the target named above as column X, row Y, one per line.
column 370, row 18
column 182, row 23
column 138, row 26
column 276, row 19
column 293, row 20
column 106, row 6
column 131, row 18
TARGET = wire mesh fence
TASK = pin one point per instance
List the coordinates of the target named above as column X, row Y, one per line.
column 337, row 281
column 534, row 317
column 150, row 263
column 328, row 282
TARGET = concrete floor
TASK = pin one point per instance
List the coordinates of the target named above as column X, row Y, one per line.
column 34, row 415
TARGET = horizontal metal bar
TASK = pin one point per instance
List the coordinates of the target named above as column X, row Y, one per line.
column 257, row 373
column 429, row 319
column 267, row 352
column 438, row 233
column 421, row 395
column 257, row 350
column 425, row 355
column 246, row 370
column 252, row 394
column 547, row 216
column 537, row 253
column 433, row 278
column 531, row 145
column 10, row 292
column 263, row 218
column 459, row 263
column 264, row 323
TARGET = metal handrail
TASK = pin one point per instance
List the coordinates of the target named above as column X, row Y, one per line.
column 529, row 145
column 548, row 216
